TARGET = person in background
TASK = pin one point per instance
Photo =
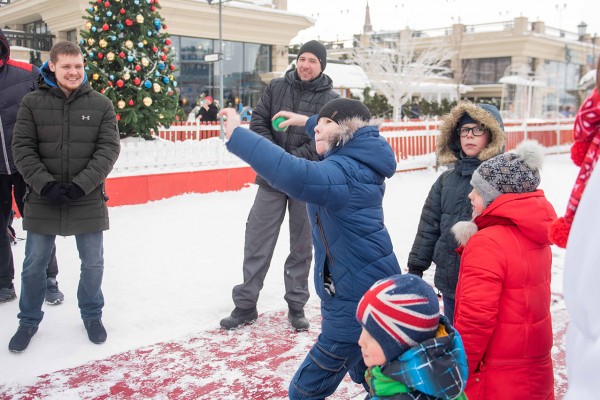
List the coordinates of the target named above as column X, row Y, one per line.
column 303, row 90
column 469, row 134
column 578, row 231
column 208, row 111
column 353, row 249
column 503, row 293
column 16, row 80
column 65, row 143
column 411, row 351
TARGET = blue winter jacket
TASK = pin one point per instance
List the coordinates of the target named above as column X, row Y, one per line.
column 344, row 194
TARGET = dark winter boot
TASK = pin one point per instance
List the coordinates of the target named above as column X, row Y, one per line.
column 298, row 320
column 95, row 330
column 239, row 317
column 21, row 339
column 53, row 294
column 7, row 294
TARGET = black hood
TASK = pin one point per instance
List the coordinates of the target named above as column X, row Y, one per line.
column 4, row 49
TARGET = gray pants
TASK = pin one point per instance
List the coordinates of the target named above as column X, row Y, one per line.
column 262, row 231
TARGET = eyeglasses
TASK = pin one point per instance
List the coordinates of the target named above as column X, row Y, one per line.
column 476, row 131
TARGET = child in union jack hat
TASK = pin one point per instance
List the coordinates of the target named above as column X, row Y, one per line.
column 411, row 351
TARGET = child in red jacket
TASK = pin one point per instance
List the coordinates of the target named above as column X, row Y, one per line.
column 503, row 292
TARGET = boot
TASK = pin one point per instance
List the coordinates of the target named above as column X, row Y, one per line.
column 95, row 330
column 7, row 294
column 239, row 317
column 298, row 320
column 21, row 339
column 53, row 294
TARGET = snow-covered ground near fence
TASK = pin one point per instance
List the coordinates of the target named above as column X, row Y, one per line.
column 170, row 266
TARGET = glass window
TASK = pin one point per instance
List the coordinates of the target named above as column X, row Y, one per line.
column 484, row 71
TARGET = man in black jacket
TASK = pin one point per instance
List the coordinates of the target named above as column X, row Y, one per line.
column 303, row 90
column 16, row 80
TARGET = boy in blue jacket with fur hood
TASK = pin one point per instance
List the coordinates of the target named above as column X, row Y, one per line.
column 344, row 194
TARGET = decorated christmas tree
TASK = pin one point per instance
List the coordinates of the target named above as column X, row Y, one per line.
column 129, row 60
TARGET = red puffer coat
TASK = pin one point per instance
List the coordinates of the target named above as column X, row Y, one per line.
column 503, row 299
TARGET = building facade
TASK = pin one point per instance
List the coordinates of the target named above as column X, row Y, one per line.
column 254, row 40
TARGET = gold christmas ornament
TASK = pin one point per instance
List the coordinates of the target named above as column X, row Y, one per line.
column 145, row 42
column 129, row 44
column 126, row 76
column 121, row 104
column 145, row 62
column 160, row 116
column 156, row 87
column 95, row 77
column 139, row 19
column 110, row 56
column 147, row 101
column 91, row 41
column 102, row 43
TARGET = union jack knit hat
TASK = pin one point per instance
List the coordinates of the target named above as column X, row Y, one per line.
column 399, row 312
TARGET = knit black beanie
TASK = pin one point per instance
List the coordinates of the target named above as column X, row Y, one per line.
column 342, row 109
column 317, row 49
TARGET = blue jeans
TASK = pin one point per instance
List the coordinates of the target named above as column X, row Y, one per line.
column 38, row 250
column 324, row 367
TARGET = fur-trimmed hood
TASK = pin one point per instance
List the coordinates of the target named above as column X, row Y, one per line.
column 448, row 142
column 349, row 126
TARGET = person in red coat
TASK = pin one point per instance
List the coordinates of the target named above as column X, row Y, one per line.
column 503, row 292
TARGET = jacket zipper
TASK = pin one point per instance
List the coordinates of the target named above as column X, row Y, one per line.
column 4, row 152
column 324, row 241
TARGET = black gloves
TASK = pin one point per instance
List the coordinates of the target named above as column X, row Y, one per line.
column 57, row 194
column 415, row 272
column 74, row 192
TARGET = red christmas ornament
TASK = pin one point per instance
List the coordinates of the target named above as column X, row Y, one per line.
column 153, row 8
column 128, row 22
column 110, row 83
column 138, row 68
column 168, row 42
column 120, row 83
column 106, row 4
column 98, row 1
column 166, row 49
column 137, row 81
column 130, row 102
column 105, row 27
column 172, row 67
column 163, row 57
column 154, row 49
column 118, row 117
column 122, row 11
column 102, row 90
column 100, row 55
column 122, row 55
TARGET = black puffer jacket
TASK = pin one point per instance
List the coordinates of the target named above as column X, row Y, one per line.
column 447, row 202
column 67, row 140
column 289, row 93
column 16, row 80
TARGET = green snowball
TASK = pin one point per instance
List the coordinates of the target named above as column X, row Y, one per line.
column 276, row 123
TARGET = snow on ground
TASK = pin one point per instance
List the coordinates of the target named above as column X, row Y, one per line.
column 170, row 266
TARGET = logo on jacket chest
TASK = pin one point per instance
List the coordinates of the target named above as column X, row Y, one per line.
column 85, row 117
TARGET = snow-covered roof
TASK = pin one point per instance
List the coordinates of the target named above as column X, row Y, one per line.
column 347, row 76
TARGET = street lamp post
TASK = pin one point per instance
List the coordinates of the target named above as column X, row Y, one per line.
column 220, row 53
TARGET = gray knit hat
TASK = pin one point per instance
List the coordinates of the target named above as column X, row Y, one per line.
column 317, row 49
column 514, row 172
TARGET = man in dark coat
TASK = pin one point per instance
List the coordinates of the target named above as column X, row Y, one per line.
column 209, row 112
column 304, row 90
column 16, row 80
column 65, row 143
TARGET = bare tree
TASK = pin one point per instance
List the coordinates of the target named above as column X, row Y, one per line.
column 397, row 69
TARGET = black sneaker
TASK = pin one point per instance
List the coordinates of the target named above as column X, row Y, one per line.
column 298, row 320
column 95, row 330
column 21, row 339
column 53, row 294
column 239, row 317
column 7, row 294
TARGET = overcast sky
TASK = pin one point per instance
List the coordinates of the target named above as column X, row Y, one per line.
column 340, row 19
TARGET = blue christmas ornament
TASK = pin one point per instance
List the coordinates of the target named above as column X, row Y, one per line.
column 130, row 58
column 91, row 9
column 156, row 73
column 157, row 23
column 93, row 29
column 140, row 44
column 109, row 14
column 165, row 79
column 147, row 1
column 111, row 77
column 81, row 41
column 149, row 33
column 120, row 26
column 96, row 18
column 174, row 83
column 147, row 84
column 91, row 54
column 136, row 2
column 113, row 38
column 161, row 66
